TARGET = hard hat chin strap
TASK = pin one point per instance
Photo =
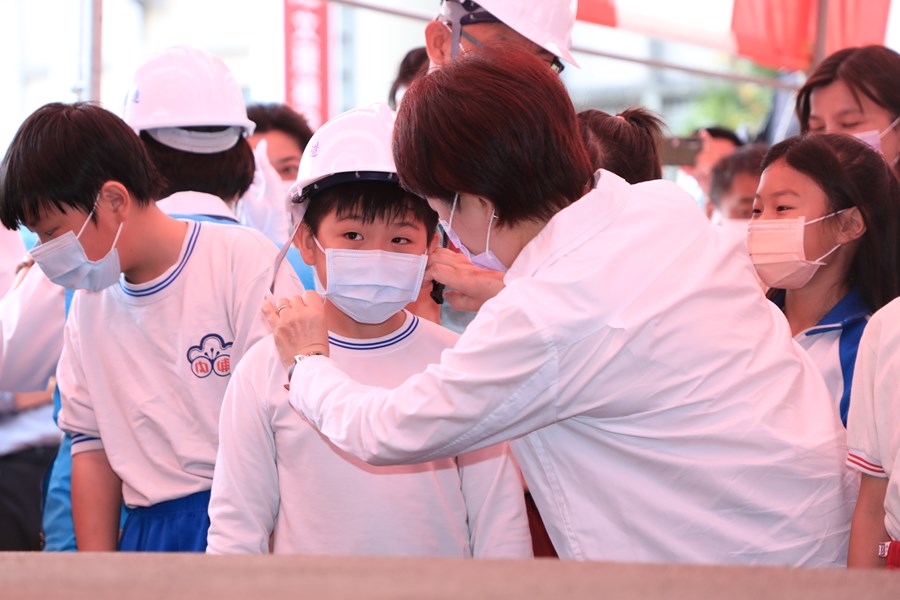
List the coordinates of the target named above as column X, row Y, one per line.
column 453, row 12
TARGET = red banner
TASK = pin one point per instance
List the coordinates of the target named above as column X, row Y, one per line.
column 306, row 58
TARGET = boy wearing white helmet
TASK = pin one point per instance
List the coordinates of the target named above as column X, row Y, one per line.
column 189, row 112
column 276, row 477
column 544, row 28
column 163, row 311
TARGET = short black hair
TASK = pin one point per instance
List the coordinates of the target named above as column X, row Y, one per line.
column 747, row 159
column 280, row 117
column 718, row 132
column 225, row 174
column 62, row 155
column 369, row 200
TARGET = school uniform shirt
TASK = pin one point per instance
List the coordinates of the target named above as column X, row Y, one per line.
column 832, row 345
column 12, row 250
column 144, row 367
column 31, row 325
column 873, row 427
column 197, row 204
column 275, row 473
column 656, row 403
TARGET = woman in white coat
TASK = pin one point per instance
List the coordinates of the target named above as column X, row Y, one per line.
column 655, row 401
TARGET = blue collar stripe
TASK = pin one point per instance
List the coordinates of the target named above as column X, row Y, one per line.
column 192, row 242
column 848, row 346
column 849, row 311
column 379, row 344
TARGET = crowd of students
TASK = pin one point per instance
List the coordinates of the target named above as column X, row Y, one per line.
column 666, row 388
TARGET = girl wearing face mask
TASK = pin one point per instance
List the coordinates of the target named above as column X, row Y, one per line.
column 825, row 237
column 855, row 91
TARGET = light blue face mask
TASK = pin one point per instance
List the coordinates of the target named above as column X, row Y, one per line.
column 370, row 286
column 64, row 262
column 485, row 260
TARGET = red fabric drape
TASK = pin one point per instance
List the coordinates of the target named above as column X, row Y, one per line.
column 602, row 12
column 775, row 33
column 782, row 33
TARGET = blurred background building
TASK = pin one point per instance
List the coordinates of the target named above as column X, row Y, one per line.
column 677, row 58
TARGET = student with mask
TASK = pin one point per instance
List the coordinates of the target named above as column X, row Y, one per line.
column 163, row 311
column 276, row 477
column 854, row 91
column 825, row 238
column 643, row 432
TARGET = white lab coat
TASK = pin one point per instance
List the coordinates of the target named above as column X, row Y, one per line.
column 658, row 407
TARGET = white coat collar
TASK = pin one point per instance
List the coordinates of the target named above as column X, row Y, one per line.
column 570, row 227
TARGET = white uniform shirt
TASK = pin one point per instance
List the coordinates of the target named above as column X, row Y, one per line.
column 31, row 325
column 144, row 367
column 276, row 473
column 196, row 203
column 665, row 413
column 873, row 427
column 12, row 250
column 832, row 344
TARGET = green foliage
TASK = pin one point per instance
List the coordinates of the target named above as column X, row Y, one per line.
column 731, row 104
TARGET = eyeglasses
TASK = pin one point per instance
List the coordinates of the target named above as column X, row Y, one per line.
column 556, row 65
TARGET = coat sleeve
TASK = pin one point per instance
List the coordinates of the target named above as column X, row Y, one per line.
column 500, row 381
column 31, row 332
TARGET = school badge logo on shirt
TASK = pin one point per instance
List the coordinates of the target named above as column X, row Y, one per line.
column 212, row 355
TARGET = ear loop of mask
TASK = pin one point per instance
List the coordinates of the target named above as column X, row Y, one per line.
column 88, row 220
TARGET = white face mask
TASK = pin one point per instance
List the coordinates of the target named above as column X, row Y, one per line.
column 776, row 249
column 371, row 286
column 485, row 260
column 873, row 137
column 64, row 262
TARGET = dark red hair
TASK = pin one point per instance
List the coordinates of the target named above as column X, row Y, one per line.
column 498, row 124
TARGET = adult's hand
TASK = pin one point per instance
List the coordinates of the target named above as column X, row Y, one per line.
column 298, row 324
column 468, row 287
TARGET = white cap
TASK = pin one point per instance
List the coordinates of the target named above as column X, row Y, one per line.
column 184, row 87
column 353, row 146
column 547, row 23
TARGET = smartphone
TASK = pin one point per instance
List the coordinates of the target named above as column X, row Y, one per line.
column 680, row 151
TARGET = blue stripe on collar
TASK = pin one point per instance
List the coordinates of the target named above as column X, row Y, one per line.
column 192, row 242
column 381, row 343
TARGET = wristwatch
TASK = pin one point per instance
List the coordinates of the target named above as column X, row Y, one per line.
column 297, row 359
column 883, row 548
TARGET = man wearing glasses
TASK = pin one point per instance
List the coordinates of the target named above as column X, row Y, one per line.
column 544, row 27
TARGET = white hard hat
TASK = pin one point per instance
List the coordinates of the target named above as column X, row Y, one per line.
column 185, row 87
column 547, row 23
column 353, row 146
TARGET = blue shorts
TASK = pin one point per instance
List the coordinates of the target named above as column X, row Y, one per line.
column 178, row 525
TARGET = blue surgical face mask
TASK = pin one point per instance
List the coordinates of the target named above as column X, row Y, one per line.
column 64, row 262
column 485, row 260
column 370, row 286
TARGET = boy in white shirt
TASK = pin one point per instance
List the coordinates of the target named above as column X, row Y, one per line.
column 163, row 311
column 278, row 477
column 873, row 436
